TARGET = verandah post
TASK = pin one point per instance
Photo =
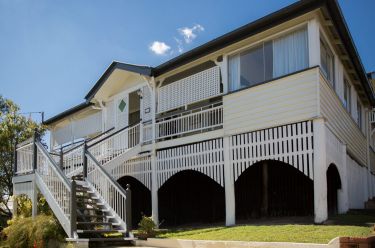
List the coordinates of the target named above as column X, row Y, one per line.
column 230, row 205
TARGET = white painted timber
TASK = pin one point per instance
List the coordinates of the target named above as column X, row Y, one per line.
column 194, row 88
column 292, row 144
column 55, row 187
column 286, row 100
column 25, row 158
column 341, row 123
column 138, row 167
column 205, row 157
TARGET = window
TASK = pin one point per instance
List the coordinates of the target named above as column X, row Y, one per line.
column 271, row 59
column 327, row 62
column 359, row 114
column 347, row 95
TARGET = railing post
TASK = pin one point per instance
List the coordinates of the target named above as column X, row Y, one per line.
column 15, row 159
column 128, row 208
column 73, row 210
column 84, row 158
column 35, row 150
column 61, row 159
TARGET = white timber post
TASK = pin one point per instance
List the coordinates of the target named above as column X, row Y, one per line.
column 320, row 168
column 154, row 184
column 154, row 190
column 230, row 205
column 343, row 194
column 34, row 200
column 314, row 42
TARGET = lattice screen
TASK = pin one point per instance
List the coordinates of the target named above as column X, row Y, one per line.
column 139, row 168
column 292, row 144
column 197, row 87
column 205, row 157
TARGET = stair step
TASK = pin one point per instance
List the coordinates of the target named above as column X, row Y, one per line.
column 100, row 231
column 97, row 223
column 97, row 216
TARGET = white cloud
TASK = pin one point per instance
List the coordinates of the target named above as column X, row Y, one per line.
column 159, row 47
column 179, row 45
column 189, row 34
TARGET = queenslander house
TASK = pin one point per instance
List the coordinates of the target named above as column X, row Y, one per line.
column 272, row 119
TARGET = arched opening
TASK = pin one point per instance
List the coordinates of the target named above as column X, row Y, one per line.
column 190, row 197
column 273, row 189
column 141, row 198
column 333, row 185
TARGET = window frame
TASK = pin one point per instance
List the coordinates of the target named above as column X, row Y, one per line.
column 261, row 42
column 347, row 95
column 328, row 51
column 359, row 114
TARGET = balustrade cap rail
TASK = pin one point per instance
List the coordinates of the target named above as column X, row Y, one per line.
column 112, row 134
column 109, row 177
column 54, row 166
column 172, row 116
column 25, row 143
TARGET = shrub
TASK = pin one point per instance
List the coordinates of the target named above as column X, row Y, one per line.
column 29, row 232
column 24, row 206
column 146, row 228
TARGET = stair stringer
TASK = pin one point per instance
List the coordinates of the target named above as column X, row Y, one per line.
column 113, row 213
column 132, row 152
column 55, row 207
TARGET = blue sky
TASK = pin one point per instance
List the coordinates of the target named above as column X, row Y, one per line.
column 52, row 52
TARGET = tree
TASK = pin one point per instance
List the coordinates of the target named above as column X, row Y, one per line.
column 14, row 129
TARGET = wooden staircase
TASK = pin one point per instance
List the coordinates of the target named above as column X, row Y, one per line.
column 95, row 221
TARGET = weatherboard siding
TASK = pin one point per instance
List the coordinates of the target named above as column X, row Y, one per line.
column 341, row 123
column 286, row 100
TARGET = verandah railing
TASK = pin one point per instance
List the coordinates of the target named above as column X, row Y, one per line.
column 199, row 119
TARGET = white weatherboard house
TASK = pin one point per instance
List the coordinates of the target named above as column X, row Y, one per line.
column 272, row 119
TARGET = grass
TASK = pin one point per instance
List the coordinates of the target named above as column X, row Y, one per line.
column 354, row 225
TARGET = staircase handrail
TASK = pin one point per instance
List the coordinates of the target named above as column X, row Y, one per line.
column 108, row 188
column 56, row 187
column 112, row 134
column 54, row 166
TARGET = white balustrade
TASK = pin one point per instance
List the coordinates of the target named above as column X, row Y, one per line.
column 73, row 161
column 115, row 144
column 111, row 192
column 25, row 158
column 192, row 121
column 147, row 132
column 55, row 183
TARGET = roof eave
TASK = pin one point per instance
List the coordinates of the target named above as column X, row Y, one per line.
column 142, row 70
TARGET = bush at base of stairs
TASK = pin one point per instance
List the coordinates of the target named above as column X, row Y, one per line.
column 146, row 228
column 29, row 232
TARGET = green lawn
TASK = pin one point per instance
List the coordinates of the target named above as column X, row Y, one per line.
column 355, row 225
